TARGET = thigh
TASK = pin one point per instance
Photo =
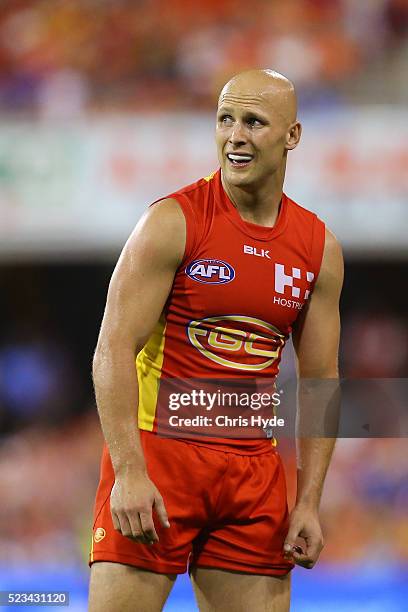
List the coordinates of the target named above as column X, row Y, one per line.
column 224, row 591
column 115, row 586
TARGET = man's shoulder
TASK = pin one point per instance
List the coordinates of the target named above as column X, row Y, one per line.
column 177, row 202
column 196, row 188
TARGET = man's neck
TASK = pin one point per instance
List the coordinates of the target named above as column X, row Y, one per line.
column 260, row 206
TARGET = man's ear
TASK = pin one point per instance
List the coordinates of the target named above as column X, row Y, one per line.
column 293, row 135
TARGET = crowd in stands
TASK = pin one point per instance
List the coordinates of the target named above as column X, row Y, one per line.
column 59, row 58
column 63, row 58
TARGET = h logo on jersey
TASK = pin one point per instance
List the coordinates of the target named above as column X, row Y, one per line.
column 283, row 280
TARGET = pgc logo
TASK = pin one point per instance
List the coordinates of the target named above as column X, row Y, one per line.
column 237, row 341
column 210, row 271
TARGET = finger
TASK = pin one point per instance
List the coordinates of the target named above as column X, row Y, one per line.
column 147, row 526
column 134, row 534
column 161, row 511
column 115, row 521
column 124, row 525
column 135, row 525
column 144, row 538
column 288, row 554
column 314, row 549
column 303, row 560
column 290, row 540
column 132, row 519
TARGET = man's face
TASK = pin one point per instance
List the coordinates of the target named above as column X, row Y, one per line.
column 251, row 137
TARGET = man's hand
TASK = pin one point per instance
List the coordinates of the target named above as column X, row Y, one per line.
column 304, row 523
column 132, row 499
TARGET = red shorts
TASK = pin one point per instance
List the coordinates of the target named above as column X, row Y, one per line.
column 226, row 510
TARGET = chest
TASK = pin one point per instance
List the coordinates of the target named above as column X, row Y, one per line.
column 234, row 275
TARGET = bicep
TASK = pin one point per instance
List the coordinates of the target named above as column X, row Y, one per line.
column 317, row 332
column 143, row 276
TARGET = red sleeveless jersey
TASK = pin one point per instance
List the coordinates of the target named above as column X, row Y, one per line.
column 235, row 296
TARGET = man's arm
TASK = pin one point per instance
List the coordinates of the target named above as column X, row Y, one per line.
column 316, row 342
column 137, row 292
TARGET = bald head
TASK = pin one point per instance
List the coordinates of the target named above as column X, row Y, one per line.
column 266, row 86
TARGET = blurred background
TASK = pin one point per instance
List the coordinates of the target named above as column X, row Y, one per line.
column 106, row 105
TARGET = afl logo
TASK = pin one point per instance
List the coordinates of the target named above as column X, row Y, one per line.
column 210, row 271
column 237, row 341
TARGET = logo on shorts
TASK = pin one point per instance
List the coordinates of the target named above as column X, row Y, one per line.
column 210, row 271
column 100, row 533
column 237, row 341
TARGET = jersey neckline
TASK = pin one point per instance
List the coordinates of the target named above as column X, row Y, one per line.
column 253, row 230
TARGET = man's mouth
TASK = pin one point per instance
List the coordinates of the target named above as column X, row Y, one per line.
column 239, row 160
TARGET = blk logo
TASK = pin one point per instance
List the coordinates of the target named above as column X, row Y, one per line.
column 283, row 280
column 210, row 271
column 250, row 250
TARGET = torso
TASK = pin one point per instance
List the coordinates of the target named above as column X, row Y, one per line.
column 235, row 296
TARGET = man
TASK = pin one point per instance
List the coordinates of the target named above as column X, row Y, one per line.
column 210, row 284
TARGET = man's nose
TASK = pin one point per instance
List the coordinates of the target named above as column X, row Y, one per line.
column 237, row 135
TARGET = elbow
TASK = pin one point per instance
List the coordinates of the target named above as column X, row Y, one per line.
column 106, row 354
column 112, row 354
column 98, row 360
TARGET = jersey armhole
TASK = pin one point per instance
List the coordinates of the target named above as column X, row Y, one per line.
column 187, row 211
column 191, row 226
column 317, row 247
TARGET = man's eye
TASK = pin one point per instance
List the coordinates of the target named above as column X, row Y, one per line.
column 226, row 119
column 254, row 122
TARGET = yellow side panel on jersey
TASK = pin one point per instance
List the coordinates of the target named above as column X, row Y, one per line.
column 149, row 364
